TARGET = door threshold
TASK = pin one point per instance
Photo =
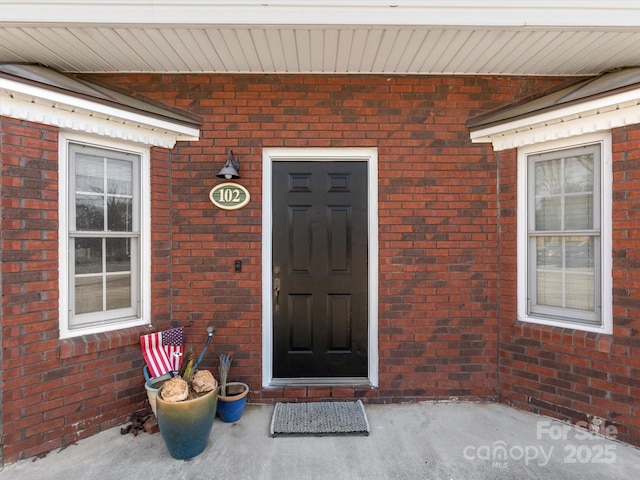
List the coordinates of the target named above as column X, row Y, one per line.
column 320, row 382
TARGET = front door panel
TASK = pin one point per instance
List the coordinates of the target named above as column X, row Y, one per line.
column 320, row 269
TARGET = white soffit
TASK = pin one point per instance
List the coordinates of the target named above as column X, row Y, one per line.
column 40, row 105
column 501, row 37
column 588, row 117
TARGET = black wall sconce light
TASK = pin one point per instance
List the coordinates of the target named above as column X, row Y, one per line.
column 230, row 169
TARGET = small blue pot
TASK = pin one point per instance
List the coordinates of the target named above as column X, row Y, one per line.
column 231, row 406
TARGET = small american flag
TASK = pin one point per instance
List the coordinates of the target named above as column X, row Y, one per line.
column 162, row 351
column 173, row 343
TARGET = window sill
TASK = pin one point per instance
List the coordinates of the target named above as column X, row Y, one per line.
column 100, row 342
column 606, row 329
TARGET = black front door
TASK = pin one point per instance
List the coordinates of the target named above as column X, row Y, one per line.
column 320, row 269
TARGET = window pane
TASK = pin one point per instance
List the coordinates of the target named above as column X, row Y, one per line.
column 118, row 254
column 88, row 254
column 580, row 291
column 119, row 177
column 548, row 176
column 120, row 212
column 89, row 213
column 549, row 290
column 549, row 253
column 580, row 273
column 565, row 272
column 578, row 211
column 548, row 214
column 548, row 190
column 88, row 294
column 580, row 253
column 118, row 291
column 549, row 271
column 89, row 174
column 578, row 176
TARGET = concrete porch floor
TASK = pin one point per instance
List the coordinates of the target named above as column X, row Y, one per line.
column 450, row 441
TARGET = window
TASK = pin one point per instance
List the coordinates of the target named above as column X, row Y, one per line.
column 104, row 234
column 564, row 236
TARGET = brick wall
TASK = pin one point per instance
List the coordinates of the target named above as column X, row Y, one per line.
column 439, row 267
column 447, row 295
column 438, row 320
column 570, row 374
column 29, row 286
column 55, row 392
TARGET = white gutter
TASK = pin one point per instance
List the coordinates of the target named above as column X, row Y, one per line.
column 459, row 13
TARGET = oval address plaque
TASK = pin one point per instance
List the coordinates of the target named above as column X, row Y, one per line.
column 229, row 196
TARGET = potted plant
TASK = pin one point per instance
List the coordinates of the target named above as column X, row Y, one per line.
column 151, row 354
column 186, row 409
column 232, row 396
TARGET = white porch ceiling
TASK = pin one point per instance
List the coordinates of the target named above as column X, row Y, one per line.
column 499, row 37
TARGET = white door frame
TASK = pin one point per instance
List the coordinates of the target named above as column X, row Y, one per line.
column 270, row 155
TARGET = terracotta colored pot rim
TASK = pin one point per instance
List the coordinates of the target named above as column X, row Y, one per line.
column 232, row 398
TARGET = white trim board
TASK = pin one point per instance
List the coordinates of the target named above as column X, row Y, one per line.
column 471, row 13
column 68, row 112
column 269, row 155
column 599, row 115
column 64, row 140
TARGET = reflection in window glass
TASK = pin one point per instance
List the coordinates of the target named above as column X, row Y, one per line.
column 88, row 294
column 120, row 214
column 548, row 175
column 104, row 200
column 119, row 177
column 89, row 212
column 548, row 213
column 565, row 272
column 581, row 253
column 563, row 277
column 578, row 212
column 88, row 255
column 89, row 174
column 578, row 175
column 549, row 288
column 118, row 291
column 118, row 255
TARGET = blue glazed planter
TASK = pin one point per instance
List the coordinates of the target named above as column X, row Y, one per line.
column 186, row 426
column 231, row 406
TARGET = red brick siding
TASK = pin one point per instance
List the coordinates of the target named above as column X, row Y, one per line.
column 571, row 374
column 439, row 244
column 447, row 292
column 57, row 391
column 438, row 324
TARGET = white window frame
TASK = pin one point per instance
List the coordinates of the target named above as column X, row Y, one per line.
column 143, row 312
column 524, row 264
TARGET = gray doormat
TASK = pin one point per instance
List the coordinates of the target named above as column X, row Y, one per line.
column 319, row 418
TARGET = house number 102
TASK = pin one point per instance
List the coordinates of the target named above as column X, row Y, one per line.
column 229, row 196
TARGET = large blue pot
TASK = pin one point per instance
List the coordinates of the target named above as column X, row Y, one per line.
column 231, row 405
column 186, row 426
